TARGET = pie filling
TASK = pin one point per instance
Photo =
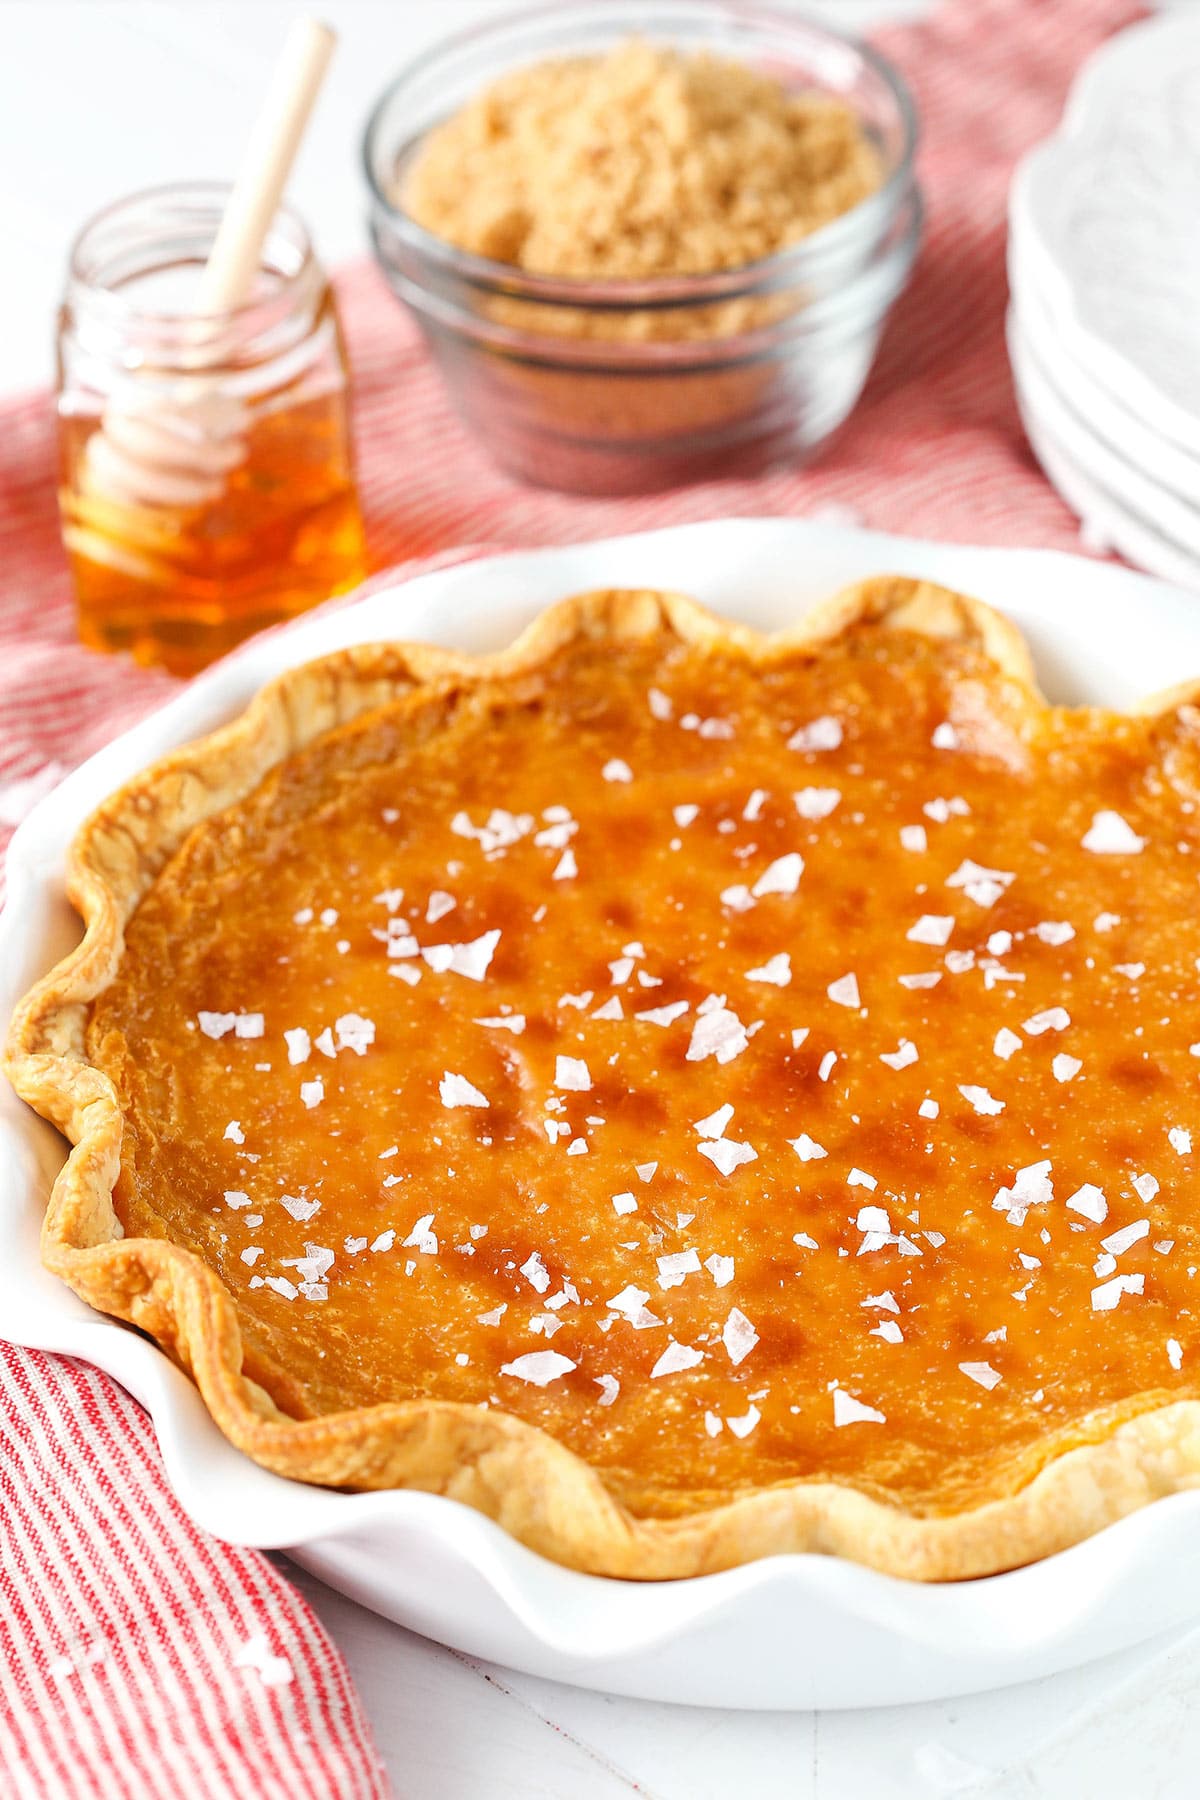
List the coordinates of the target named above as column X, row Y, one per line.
column 744, row 1070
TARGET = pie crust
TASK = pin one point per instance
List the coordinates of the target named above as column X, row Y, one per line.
column 1096, row 1469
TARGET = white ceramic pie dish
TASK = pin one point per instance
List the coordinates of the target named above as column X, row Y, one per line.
column 797, row 1631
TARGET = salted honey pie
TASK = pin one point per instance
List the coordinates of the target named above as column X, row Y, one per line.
column 686, row 1094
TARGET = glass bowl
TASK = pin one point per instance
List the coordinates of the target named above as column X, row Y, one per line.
column 608, row 387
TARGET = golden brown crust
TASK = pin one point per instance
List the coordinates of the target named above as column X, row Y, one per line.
column 535, row 1488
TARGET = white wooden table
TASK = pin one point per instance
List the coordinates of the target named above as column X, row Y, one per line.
column 97, row 98
column 449, row 1728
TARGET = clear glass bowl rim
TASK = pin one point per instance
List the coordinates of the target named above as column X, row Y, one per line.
column 787, row 268
column 855, row 308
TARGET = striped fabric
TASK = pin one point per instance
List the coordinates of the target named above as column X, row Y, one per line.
column 141, row 1658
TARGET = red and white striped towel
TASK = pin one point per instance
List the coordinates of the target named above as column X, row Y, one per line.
column 143, row 1659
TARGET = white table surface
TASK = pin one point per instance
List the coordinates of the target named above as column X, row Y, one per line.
column 452, row 1728
column 98, row 97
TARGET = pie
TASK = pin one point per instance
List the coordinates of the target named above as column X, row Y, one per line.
column 687, row 1094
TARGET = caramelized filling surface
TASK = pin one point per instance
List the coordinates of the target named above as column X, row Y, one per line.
column 741, row 1072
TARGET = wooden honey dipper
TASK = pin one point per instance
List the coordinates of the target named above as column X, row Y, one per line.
column 156, row 451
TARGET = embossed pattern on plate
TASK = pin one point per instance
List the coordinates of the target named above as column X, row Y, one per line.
column 1103, row 218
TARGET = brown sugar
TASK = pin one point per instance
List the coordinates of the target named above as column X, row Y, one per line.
column 640, row 163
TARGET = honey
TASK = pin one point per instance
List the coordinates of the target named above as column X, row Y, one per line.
column 179, row 587
column 169, row 568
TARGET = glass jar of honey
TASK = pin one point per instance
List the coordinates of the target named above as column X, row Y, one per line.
column 207, row 488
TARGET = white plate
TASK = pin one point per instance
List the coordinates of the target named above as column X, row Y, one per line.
column 1105, row 465
column 795, row 1631
column 1168, row 464
column 1103, row 220
column 1108, row 522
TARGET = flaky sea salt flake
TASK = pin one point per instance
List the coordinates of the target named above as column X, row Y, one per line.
column 716, row 1124
column 844, row 991
column 717, row 1032
column 675, row 1268
column 1089, row 1200
column 780, row 877
column 1118, row 1242
column 1108, row 1294
column 514, row 1022
column 743, row 1426
column 725, row 1155
column 1110, row 835
column 539, row 1367
column 674, row 1359
column 299, row 1206
column 471, row 960
column 1054, row 932
column 980, row 1100
column 663, row 1015
column 1054, row 1018
column 816, row 802
column 777, row 971
column 456, row 1090
column 571, row 1074
column 849, row 1411
column 354, row 1033
column 216, row 1024
column 983, row 886
column 1032, row 1186
column 824, row 733
column 931, row 928
column 738, row 1336
column 983, row 1373
column 807, row 1148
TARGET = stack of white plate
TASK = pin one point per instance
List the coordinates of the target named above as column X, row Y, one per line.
column 1104, row 322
